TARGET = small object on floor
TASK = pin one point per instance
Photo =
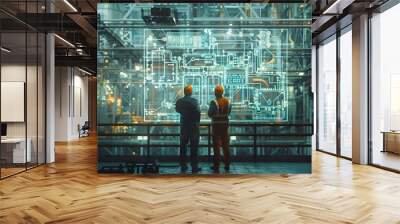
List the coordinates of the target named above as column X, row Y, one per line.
column 196, row 170
column 215, row 169
column 84, row 129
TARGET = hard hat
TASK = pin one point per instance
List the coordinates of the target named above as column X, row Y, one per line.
column 188, row 90
column 219, row 90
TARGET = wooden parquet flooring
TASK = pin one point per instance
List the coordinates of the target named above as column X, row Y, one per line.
column 71, row 191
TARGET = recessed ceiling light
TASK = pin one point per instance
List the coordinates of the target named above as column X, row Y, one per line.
column 5, row 50
column 337, row 7
column 70, row 5
column 84, row 71
column 65, row 41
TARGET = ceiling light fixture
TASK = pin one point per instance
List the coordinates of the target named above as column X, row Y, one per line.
column 5, row 50
column 337, row 7
column 84, row 71
column 329, row 9
column 65, row 41
column 70, row 5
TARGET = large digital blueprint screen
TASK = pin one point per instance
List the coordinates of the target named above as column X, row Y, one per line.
column 237, row 59
column 145, row 66
column 259, row 52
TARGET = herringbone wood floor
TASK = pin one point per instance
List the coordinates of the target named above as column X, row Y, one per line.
column 71, row 191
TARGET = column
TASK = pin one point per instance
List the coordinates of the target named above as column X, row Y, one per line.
column 360, row 90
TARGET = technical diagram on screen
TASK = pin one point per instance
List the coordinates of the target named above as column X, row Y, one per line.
column 148, row 53
column 241, row 60
column 156, row 53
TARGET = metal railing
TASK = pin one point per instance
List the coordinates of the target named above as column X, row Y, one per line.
column 256, row 131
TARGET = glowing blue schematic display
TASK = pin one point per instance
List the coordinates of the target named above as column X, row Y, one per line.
column 254, row 75
column 155, row 60
column 148, row 52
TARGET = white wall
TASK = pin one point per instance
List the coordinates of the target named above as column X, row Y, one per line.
column 71, row 102
column 62, row 83
column 80, row 110
column 13, row 72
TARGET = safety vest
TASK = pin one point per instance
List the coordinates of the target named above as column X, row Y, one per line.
column 222, row 113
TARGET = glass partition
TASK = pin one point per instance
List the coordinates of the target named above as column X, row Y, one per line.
column 346, row 93
column 385, row 89
column 41, row 98
column 32, row 97
column 260, row 53
column 327, row 95
column 22, row 90
column 13, row 95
